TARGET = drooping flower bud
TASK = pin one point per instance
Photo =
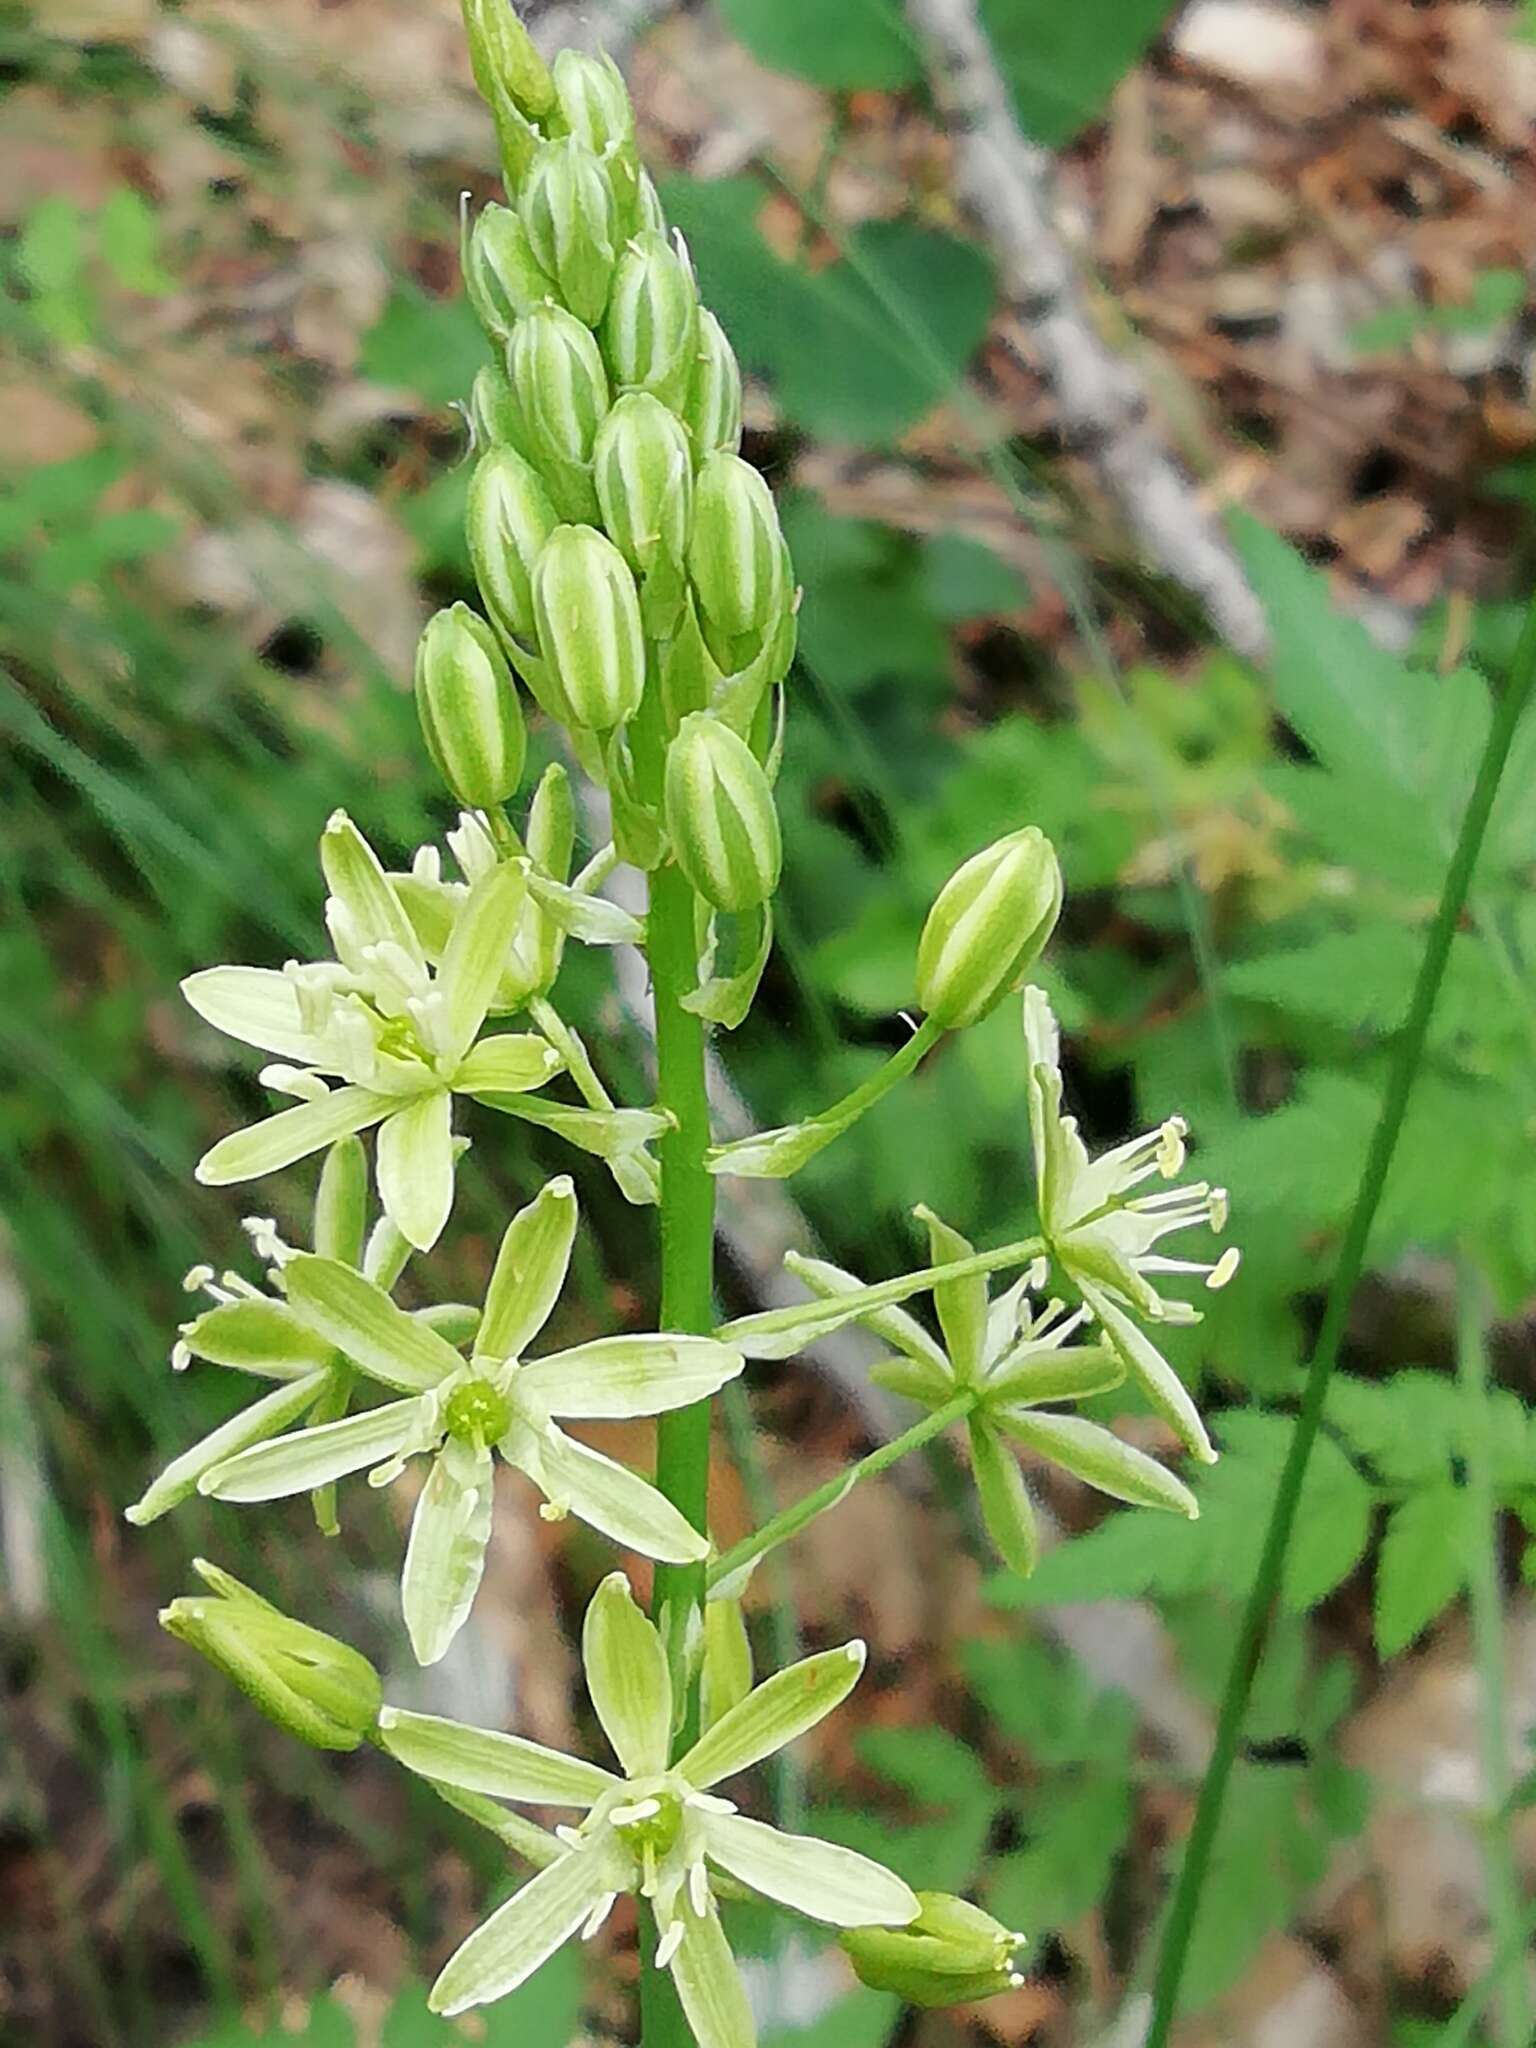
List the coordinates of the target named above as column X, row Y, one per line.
column 467, row 702
column 951, row 1954
column 736, row 554
column 561, row 385
column 988, row 926
column 567, row 206
column 508, row 521
column 596, row 104
column 505, row 59
column 720, row 815
column 587, row 612
column 712, row 405
column 650, row 333
column 504, row 277
column 644, row 478
column 308, row 1683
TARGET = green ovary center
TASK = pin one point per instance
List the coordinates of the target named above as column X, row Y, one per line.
column 655, row 1836
column 477, row 1413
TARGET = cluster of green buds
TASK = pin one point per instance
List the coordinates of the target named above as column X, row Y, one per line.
column 630, row 563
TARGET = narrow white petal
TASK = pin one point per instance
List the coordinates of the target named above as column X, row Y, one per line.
column 530, row 1270
column 774, row 1714
column 709, row 1986
column 509, row 1063
column 1161, row 1384
column 257, row 1005
column 615, row 1500
column 477, row 952
column 627, row 1678
column 415, row 1167
column 359, row 1318
column 523, row 1933
column 445, row 1557
column 483, row 1760
column 291, row 1134
column 626, row 1376
column 253, row 1425
column 313, row 1457
column 816, row 1878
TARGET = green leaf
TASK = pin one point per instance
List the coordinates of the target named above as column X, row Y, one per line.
column 963, row 579
column 128, row 230
column 946, row 1784
column 1063, row 62
column 432, row 347
column 1077, row 1832
column 1423, row 1563
column 1048, row 1704
column 1496, row 296
column 844, row 46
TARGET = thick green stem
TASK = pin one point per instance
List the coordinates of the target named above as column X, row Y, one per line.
column 1513, row 2007
column 687, row 1304
column 1254, row 1627
column 794, row 1519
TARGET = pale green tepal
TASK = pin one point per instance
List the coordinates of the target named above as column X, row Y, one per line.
column 508, row 520
column 988, row 926
column 458, row 1411
column 712, row 409
column 650, row 331
column 567, row 206
column 658, row 1831
column 504, row 278
column 720, row 815
column 1103, row 1236
column 1013, row 1357
column 402, row 1038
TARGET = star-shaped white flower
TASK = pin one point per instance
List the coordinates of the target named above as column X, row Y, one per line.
column 1103, row 1235
column 401, row 1038
column 458, row 1410
column 658, row 1831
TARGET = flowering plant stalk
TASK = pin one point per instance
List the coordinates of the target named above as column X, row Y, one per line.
column 635, row 584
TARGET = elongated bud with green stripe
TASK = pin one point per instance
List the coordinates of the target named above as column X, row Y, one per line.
column 988, row 926
column 650, row 333
column 509, row 519
column 711, row 407
column 505, row 58
column 495, row 417
column 644, row 477
column 308, row 1683
column 736, row 555
column 467, row 703
column 587, row 611
column 560, row 383
column 597, row 109
column 504, row 277
column 951, row 1954
column 341, row 1203
column 568, row 208
column 720, row 815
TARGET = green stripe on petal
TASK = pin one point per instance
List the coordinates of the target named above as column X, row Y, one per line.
column 257, row 1005
column 709, row 1986
column 1099, row 1457
column 627, row 1678
column 415, row 1168
column 445, row 1557
column 313, row 1457
column 774, row 1714
column 610, row 1497
column 358, row 882
column 820, row 1879
column 360, row 1319
column 291, row 1134
column 477, row 952
column 253, row 1425
column 1032, row 1373
column 1159, row 1382
column 511, row 1063
column 615, row 1377
column 523, row 1933
column 961, row 1304
column 258, row 1336
column 901, row 1330
column 483, row 1760
column 530, row 1271
column 1005, row 1504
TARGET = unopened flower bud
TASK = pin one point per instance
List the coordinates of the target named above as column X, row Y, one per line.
column 568, row 208
column 650, row 332
column 317, row 1688
column 467, row 703
column 596, row 104
column 951, row 1954
column 720, row 815
column 711, row 408
column 561, row 385
column 495, row 417
column 988, row 926
column 588, row 615
column 644, row 477
column 509, row 519
column 505, row 59
column 504, row 276
column 534, row 960
column 736, row 554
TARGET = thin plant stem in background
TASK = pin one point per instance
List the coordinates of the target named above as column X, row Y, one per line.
column 1254, row 1627
column 1512, row 2017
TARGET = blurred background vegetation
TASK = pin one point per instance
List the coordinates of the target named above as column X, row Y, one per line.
column 233, row 484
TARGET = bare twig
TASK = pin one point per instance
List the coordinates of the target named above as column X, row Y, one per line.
column 1004, row 182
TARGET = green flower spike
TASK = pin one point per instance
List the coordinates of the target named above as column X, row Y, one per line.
column 1012, row 1359
column 401, row 1038
column 1103, row 1237
column 458, row 1411
column 659, row 1831
column 254, row 1331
